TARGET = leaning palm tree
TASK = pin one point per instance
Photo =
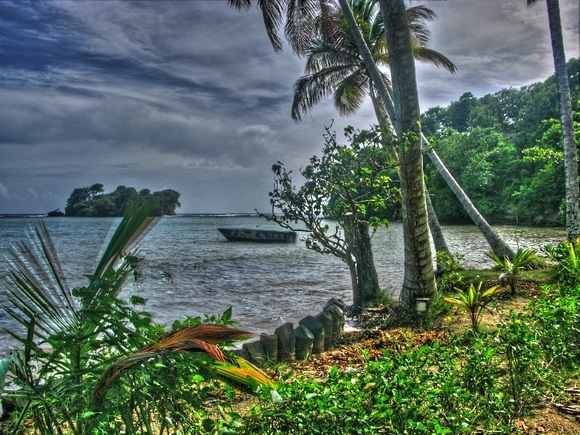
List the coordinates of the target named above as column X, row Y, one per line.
column 570, row 149
column 334, row 67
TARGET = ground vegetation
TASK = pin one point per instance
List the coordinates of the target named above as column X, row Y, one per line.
column 108, row 369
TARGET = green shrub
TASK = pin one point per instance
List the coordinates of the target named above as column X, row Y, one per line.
column 512, row 267
column 567, row 256
column 474, row 301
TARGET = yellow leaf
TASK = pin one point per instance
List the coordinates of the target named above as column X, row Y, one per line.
column 243, row 372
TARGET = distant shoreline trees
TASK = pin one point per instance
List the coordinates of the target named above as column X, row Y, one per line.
column 91, row 201
column 505, row 150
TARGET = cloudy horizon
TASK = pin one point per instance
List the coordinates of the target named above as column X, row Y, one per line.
column 190, row 96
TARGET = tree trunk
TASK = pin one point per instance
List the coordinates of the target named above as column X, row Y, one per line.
column 570, row 149
column 367, row 277
column 386, row 127
column 419, row 276
column 436, row 233
column 350, row 261
column 364, row 276
column 496, row 243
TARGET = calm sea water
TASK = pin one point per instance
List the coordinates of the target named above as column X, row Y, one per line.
column 190, row 269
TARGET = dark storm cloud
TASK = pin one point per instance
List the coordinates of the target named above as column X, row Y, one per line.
column 495, row 45
column 189, row 95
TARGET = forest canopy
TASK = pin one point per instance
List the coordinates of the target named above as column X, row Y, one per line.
column 91, row 201
column 505, row 150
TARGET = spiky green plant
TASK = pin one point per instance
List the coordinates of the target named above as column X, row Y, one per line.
column 511, row 268
column 567, row 256
column 70, row 339
column 474, row 301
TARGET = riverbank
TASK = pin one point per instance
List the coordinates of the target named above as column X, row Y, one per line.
column 345, row 380
column 555, row 411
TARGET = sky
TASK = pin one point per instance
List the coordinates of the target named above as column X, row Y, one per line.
column 190, row 95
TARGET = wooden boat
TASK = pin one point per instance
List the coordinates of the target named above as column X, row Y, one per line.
column 257, row 235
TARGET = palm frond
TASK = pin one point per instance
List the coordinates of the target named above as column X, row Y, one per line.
column 242, row 372
column 433, row 57
column 417, row 17
column 131, row 230
column 311, row 88
column 351, row 93
column 301, row 27
column 272, row 14
column 37, row 288
column 199, row 338
column 213, row 334
column 240, row 4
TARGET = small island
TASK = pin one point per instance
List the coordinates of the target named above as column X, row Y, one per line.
column 92, row 201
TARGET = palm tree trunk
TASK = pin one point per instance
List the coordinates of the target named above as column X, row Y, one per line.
column 495, row 241
column 436, row 233
column 570, row 150
column 434, row 225
column 419, row 276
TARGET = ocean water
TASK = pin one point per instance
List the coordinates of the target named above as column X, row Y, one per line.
column 189, row 269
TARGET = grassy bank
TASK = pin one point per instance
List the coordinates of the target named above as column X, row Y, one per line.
column 517, row 375
column 110, row 370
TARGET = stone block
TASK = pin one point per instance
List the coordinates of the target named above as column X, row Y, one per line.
column 316, row 327
column 256, row 353
column 286, row 342
column 327, row 321
column 304, row 341
column 270, row 343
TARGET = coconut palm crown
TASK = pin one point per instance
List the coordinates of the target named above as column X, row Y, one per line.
column 333, row 61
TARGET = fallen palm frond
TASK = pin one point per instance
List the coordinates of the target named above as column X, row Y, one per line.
column 213, row 334
column 199, row 338
column 242, row 372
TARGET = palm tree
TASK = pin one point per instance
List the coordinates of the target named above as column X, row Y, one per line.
column 419, row 276
column 419, row 279
column 334, row 67
column 333, row 61
column 570, row 149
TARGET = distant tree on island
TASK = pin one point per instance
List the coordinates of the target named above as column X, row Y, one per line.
column 93, row 202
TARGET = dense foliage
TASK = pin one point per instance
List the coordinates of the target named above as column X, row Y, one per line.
column 471, row 383
column 91, row 201
column 89, row 361
column 506, row 152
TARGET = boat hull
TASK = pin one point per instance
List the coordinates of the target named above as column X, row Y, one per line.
column 257, row 236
